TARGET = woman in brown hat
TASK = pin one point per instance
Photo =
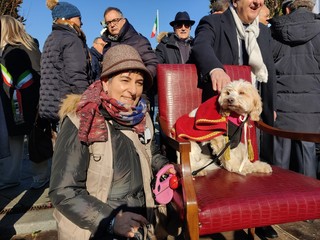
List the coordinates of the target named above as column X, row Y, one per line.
column 105, row 154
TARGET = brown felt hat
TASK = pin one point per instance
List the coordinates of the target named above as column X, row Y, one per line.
column 123, row 57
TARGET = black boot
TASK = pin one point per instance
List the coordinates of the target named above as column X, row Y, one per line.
column 266, row 232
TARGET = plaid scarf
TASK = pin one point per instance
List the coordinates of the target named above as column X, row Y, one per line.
column 93, row 127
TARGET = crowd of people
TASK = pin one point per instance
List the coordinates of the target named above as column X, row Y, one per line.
column 100, row 102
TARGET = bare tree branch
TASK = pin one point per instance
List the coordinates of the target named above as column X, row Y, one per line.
column 11, row 7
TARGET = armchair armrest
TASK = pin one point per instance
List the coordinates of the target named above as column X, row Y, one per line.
column 187, row 186
column 302, row 136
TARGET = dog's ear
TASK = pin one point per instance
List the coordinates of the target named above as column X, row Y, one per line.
column 223, row 110
column 257, row 107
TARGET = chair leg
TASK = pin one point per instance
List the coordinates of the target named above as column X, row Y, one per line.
column 251, row 233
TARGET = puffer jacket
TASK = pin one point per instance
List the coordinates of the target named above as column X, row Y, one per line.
column 167, row 50
column 82, row 177
column 297, row 60
column 21, row 78
column 65, row 69
column 128, row 35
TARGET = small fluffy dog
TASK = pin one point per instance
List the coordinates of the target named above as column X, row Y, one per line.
column 240, row 98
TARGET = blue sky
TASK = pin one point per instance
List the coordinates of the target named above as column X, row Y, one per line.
column 140, row 13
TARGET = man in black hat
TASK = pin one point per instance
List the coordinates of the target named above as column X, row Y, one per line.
column 175, row 47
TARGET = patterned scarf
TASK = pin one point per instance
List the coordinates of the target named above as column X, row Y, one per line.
column 93, row 127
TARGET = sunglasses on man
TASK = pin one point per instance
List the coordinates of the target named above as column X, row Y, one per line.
column 179, row 25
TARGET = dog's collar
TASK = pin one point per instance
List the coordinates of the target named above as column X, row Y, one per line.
column 236, row 119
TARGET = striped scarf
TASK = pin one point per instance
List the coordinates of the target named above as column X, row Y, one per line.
column 24, row 80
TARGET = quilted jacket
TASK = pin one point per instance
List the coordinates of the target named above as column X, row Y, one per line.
column 65, row 69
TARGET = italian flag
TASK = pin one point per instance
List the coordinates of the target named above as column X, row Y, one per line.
column 155, row 27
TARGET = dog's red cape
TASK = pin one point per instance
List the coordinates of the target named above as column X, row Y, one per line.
column 208, row 124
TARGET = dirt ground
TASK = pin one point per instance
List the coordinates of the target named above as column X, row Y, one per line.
column 288, row 231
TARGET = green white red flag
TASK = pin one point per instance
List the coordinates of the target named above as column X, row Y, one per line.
column 155, row 27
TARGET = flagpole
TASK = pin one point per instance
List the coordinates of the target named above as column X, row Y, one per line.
column 158, row 22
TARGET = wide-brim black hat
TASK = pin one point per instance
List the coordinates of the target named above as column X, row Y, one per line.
column 182, row 17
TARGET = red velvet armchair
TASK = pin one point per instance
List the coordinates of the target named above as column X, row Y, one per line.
column 224, row 201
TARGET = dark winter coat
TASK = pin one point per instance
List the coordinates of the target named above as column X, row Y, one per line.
column 128, row 35
column 96, row 60
column 215, row 44
column 20, row 65
column 168, row 51
column 297, row 62
column 65, row 69
column 91, row 192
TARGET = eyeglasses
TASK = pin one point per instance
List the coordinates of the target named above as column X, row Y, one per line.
column 179, row 25
column 107, row 23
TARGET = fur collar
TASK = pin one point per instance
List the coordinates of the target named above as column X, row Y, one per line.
column 69, row 105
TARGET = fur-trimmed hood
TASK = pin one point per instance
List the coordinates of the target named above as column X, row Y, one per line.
column 69, row 105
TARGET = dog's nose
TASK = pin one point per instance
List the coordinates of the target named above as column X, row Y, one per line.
column 230, row 100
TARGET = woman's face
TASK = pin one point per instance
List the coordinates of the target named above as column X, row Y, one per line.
column 248, row 10
column 126, row 87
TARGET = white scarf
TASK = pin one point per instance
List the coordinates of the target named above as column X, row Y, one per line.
column 249, row 35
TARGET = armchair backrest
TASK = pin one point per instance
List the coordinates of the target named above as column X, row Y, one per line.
column 178, row 93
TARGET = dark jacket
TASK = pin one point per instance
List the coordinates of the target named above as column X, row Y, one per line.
column 215, row 44
column 128, row 35
column 65, row 69
column 71, row 194
column 96, row 60
column 17, row 63
column 168, row 51
column 297, row 62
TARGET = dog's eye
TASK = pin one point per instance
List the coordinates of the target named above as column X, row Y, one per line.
column 241, row 92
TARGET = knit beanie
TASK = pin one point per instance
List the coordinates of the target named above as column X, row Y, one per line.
column 62, row 9
column 123, row 57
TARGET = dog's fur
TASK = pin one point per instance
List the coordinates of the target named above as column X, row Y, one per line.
column 242, row 98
